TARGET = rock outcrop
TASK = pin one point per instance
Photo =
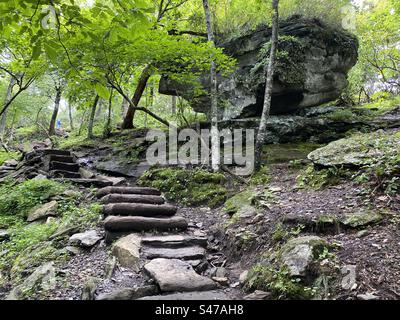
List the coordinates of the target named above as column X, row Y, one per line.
column 312, row 73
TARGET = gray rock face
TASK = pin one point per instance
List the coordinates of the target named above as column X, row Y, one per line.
column 86, row 239
column 43, row 278
column 299, row 253
column 315, row 73
column 45, row 211
column 177, row 275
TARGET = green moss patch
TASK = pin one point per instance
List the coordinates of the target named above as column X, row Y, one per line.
column 188, row 187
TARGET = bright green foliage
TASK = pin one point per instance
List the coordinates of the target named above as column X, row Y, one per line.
column 189, row 187
column 26, row 196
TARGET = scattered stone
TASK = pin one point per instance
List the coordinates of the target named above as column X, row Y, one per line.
column 203, row 295
column 126, row 250
column 114, row 180
column 4, row 235
column 43, row 278
column 243, row 277
column 219, row 272
column 89, row 289
column 86, row 239
column 177, row 275
column 129, row 293
column 258, row 295
column 45, row 211
column 223, row 281
column 367, row 296
column 71, row 193
column 51, row 220
column 86, row 174
column 73, row 250
column 361, row 218
column 299, row 253
column 349, row 277
column 64, row 232
column 275, row 189
column 40, row 177
column 362, row 233
column 11, row 163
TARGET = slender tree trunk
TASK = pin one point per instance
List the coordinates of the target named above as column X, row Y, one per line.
column 130, row 114
column 174, row 105
column 124, row 107
column 52, row 129
column 107, row 127
column 71, row 120
column 3, row 121
column 215, row 154
column 91, row 119
column 262, row 131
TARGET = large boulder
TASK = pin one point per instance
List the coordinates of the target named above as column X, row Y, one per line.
column 314, row 71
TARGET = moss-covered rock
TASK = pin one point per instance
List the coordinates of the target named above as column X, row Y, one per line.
column 188, row 187
column 361, row 219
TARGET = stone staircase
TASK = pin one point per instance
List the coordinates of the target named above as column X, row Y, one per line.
column 169, row 251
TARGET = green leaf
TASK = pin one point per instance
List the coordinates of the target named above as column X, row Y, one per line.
column 102, row 91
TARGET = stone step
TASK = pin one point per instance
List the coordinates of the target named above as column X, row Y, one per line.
column 174, row 241
column 185, row 253
column 87, row 182
column 64, row 166
column 138, row 209
column 138, row 224
column 60, row 158
column 64, row 174
column 53, row 152
column 132, row 198
column 128, row 190
column 177, row 275
column 197, row 295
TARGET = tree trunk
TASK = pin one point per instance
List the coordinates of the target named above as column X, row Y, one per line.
column 3, row 121
column 92, row 115
column 174, row 105
column 71, row 120
column 262, row 131
column 124, row 107
column 130, row 114
column 52, row 129
column 107, row 127
column 215, row 155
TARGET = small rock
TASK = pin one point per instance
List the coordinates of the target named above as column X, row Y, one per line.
column 11, row 163
column 222, row 281
column 275, row 189
column 361, row 218
column 51, row 220
column 114, row 180
column 73, row 250
column 243, row 277
column 367, row 296
column 299, row 253
column 126, row 250
column 129, row 293
column 71, row 193
column 349, row 277
column 89, row 289
column 219, row 272
column 86, row 174
column 258, row 295
column 86, row 239
column 40, row 177
column 45, row 211
column 4, row 235
column 362, row 233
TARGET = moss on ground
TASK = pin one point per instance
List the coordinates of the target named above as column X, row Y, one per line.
column 4, row 156
column 188, row 187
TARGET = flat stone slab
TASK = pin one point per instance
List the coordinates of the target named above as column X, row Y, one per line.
column 86, row 239
column 174, row 241
column 138, row 209
column 132, row 198
column 127, row 190
column 177, row 275
column 186, row 253
column 137, row 224
column 198, row 295
column 129, row 293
